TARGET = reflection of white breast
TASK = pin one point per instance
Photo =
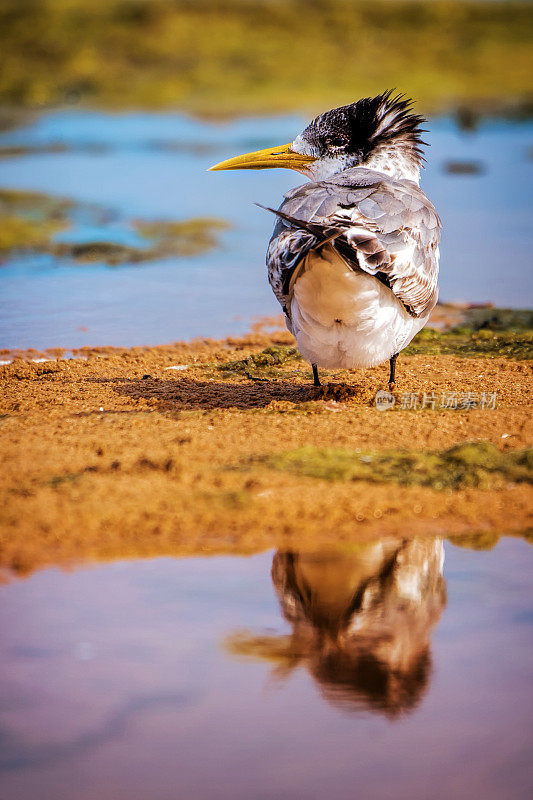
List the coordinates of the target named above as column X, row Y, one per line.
column 346, row 318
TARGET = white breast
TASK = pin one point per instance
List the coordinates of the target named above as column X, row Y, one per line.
column 346, row 319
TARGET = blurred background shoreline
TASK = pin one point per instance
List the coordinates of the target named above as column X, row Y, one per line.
column 221, row 58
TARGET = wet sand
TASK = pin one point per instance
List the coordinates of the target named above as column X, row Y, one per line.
column 158, row 451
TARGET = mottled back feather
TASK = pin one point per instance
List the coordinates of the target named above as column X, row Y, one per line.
column 387, row 228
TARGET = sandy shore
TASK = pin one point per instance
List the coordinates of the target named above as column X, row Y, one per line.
column 164, row 451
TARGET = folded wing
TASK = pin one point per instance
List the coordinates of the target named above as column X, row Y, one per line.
column 384, row 227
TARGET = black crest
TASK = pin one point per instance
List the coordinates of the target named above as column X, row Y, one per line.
column 363, row 128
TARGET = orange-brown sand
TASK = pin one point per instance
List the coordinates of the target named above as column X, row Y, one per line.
column 116, row 454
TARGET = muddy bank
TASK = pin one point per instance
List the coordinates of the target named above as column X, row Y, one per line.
column 177, row 450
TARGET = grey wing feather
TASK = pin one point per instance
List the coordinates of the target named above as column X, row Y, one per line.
column 288, row 246
column 387, row 228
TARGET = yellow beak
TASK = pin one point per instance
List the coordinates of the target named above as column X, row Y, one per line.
column 281, row 156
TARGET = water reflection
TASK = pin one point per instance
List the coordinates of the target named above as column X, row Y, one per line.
column 361, row 621
column 114, row 684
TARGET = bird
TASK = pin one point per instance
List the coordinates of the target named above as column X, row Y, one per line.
column 354, row 256
column 360, row 622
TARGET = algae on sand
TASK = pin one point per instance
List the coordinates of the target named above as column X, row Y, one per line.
column 29, row 222
column 182, row 237
column 475, row 464
column 492, row 318
column 267, row 360
column 514, row 341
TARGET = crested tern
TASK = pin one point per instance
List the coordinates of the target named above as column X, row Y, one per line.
column 354, row 257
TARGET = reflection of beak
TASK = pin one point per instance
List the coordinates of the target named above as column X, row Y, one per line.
column 281, row 156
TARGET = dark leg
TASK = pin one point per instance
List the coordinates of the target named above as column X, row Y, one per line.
column 316, row 379
column 392, row 373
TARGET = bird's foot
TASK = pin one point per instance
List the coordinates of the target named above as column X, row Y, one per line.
column 392, row 386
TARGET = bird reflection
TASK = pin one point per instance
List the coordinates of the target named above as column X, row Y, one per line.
column 361, row 621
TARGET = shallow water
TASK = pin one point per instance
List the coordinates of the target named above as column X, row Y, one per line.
column 372, row 674
column 154, row 166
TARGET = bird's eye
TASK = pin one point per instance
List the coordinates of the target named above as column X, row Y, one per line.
column 336, row 141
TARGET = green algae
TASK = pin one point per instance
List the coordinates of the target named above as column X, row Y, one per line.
column 515, row 343
column 29, row 222
column 474, row 464
column 164, row 239
column 498, row 319
column 16, row 151
column 35, row 204
column 182, row 238
column 17, row 233
column 110, row 253
column 266, row 361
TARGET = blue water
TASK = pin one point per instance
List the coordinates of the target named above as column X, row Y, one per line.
column 153, row 166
